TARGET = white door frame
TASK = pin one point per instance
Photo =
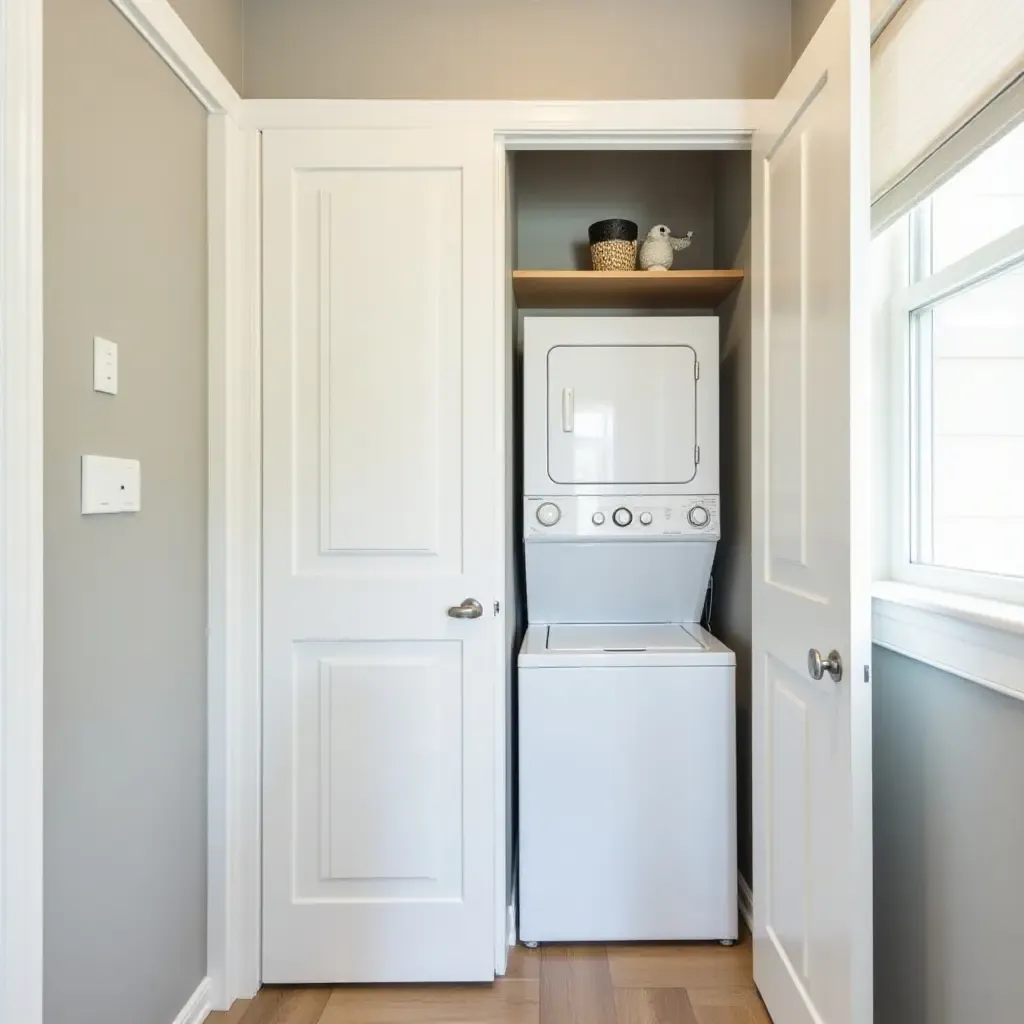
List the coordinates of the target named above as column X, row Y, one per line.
column 21, row 512
column 697, row 124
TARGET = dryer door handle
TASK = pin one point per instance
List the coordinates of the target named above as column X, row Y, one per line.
column 568, row 411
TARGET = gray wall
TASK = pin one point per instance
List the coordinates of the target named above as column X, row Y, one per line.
column 949, row 845
column 558, row 195
column 218, row 25
column 516, row 49
column 125, row 601
column 731, row 608
column 807, row 15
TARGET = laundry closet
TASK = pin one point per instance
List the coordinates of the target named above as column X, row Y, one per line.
column 488, row 470
column 624, row 752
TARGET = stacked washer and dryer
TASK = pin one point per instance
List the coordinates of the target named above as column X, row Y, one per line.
column 627, row 742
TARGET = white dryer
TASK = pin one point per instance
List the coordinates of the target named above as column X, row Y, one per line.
column 627, row 824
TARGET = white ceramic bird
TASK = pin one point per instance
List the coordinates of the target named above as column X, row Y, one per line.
column 660, row 247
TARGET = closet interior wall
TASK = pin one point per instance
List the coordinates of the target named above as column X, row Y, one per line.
column 553, row 196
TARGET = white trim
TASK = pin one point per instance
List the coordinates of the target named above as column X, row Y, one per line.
column 979, row 640
column 159, row 24
column 234, row 664
column 639, row 123
column 882, row 13
column 235, row 426
column 198, row 1008
column 511, row 927
column 908, row 470
column 21, row 514
column 746, row 897
column 989, row 259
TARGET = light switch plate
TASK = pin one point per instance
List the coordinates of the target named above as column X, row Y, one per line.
column 110, row 485
column 104, row 366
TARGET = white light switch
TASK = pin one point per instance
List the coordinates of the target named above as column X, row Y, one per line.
column 104, row 366
column 110, row 485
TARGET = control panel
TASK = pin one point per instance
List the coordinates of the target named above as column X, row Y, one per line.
column 595, row 517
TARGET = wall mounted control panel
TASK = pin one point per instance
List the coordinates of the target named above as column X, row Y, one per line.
column 594, row 517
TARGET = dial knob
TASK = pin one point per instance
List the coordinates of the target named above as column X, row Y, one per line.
column 698, row 516
column 646, row 518
column 622, row 517
column 548, row 514
column 598, row 519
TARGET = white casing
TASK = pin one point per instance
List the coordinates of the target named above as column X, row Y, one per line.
column 620, row 405
column 627, row 775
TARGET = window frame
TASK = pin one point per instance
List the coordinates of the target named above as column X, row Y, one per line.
column 908, row 299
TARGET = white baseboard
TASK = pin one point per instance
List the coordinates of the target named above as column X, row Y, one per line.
column 746, row 903
column 198, row 1008
column 511, row 925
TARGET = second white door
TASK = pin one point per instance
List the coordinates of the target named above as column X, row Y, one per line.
column 811, row 584
column 380, row 485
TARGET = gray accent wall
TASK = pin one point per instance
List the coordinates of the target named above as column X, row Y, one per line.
column 125, row 598
column 559, row 194
column 219, row 27
column 807, row 15
column 731, row 607
column 516, row 49
column 949, row 845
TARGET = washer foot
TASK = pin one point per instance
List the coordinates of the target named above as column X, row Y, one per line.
column 727, row 942
column 531, row 945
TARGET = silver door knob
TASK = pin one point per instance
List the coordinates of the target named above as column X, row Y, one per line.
column 817, row 666
column 471, row 608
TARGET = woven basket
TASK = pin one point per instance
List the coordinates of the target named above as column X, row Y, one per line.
column 613, row 255
column 613, row 244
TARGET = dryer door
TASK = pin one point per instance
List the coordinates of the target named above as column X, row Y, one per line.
column 622, row 414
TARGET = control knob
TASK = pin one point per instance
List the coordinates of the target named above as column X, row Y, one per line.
column 698, row 516
column 548, row 514
column 622, row 517
column 598, row 519
column 646, row 518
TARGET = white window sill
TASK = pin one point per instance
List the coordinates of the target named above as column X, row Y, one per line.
column 978, row 639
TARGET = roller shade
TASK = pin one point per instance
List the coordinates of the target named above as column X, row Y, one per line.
column 935, row 67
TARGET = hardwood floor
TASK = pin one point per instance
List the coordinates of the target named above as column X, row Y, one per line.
column 692, row 983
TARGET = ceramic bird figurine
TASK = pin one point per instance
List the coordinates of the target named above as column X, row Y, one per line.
column 660, row 247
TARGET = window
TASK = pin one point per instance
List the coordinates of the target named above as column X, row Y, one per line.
column 958, row 508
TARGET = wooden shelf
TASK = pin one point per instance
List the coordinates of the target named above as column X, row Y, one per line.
column 623, row 289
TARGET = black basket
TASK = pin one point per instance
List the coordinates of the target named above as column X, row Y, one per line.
column 614, row 230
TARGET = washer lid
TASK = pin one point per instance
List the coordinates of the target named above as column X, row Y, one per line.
column 657, row 636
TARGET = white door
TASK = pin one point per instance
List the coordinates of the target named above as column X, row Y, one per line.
column 811, row 436
column 380, row 481
column 622, row 414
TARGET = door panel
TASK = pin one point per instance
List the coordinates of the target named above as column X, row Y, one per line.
column 388, row 371
column 380, row 476
column 606, row 402
column 811, row 566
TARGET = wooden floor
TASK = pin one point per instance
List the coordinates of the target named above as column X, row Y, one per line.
column 642, row 984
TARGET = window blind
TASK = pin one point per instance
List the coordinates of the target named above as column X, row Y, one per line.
column 935, row 67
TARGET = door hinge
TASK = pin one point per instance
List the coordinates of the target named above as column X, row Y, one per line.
column 696, row 370
column 696, row 454
column 497, row 607
column 867, row 673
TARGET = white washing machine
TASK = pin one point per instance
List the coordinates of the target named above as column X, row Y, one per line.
column 627, row 817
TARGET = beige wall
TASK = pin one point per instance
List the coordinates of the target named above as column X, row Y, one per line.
column 125, row 599
column 807, row 16
column 516, row 49
column 217, row 24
